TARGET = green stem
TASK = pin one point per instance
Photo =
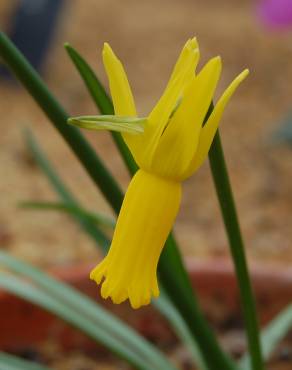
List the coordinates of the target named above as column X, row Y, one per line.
column 178, row 287
column 225, row 197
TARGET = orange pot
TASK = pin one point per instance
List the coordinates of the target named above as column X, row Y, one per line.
column 23, row 325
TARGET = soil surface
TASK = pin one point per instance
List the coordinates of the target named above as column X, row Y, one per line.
column 148, row 37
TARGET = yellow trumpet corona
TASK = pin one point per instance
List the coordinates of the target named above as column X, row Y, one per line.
column 169, row 146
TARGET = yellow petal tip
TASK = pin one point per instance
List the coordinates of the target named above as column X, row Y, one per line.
column 194, row 43
column 244, row 74
column 108, row 51
column 215, row 64
column 217, row 59
column 106, row 46
column 191, row 44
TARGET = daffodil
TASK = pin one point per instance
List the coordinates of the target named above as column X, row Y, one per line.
column 168, row 145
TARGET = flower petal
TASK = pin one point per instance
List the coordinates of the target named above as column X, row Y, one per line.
column 121, row 94
column 183, row 130
column 119, row 85
column 208, row 131
column 190, row 46
column 158, row 118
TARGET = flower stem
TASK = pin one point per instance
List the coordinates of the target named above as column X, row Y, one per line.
column 229, row 214
column 178, row 287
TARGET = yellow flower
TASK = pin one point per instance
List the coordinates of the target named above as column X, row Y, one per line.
column 169, row 146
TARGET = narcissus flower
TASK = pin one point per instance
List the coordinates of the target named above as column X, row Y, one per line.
column 168, row 145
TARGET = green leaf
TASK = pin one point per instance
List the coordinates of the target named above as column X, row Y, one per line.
column 164, row 305
column 236, row 245
column 10, row 362
column 80, row 311
column 131, row 125
column 95, row 88
column 63, row 192
column 272, row 335
column 34, row 295
column 98, row 219
column 283, row 132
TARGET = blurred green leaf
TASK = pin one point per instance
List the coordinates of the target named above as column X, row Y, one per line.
column 283, row 132
column 80, row 311
column 165, row 306
column 10, row 362
column 63, row 192
column 95, row 88
column 98, row 219
column 272, row 335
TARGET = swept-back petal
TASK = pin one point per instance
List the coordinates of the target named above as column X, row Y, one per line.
column 182, row 132
column 183, row 71
column 159, row 116
column 208, row 131
column 119, row 85
column 190, row 46
column 121, row 93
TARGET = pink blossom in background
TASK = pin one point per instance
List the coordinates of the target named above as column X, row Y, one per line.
column 275, row 13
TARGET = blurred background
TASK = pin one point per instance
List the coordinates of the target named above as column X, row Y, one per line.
column 148, row 37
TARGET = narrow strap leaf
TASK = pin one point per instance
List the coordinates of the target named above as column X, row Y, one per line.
column 63, row 192
column 98, row 219
column 236, row 245
column 37, row 296
column 164, row 305
column 271, row 335
column 10, row 362
column 87, row 310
